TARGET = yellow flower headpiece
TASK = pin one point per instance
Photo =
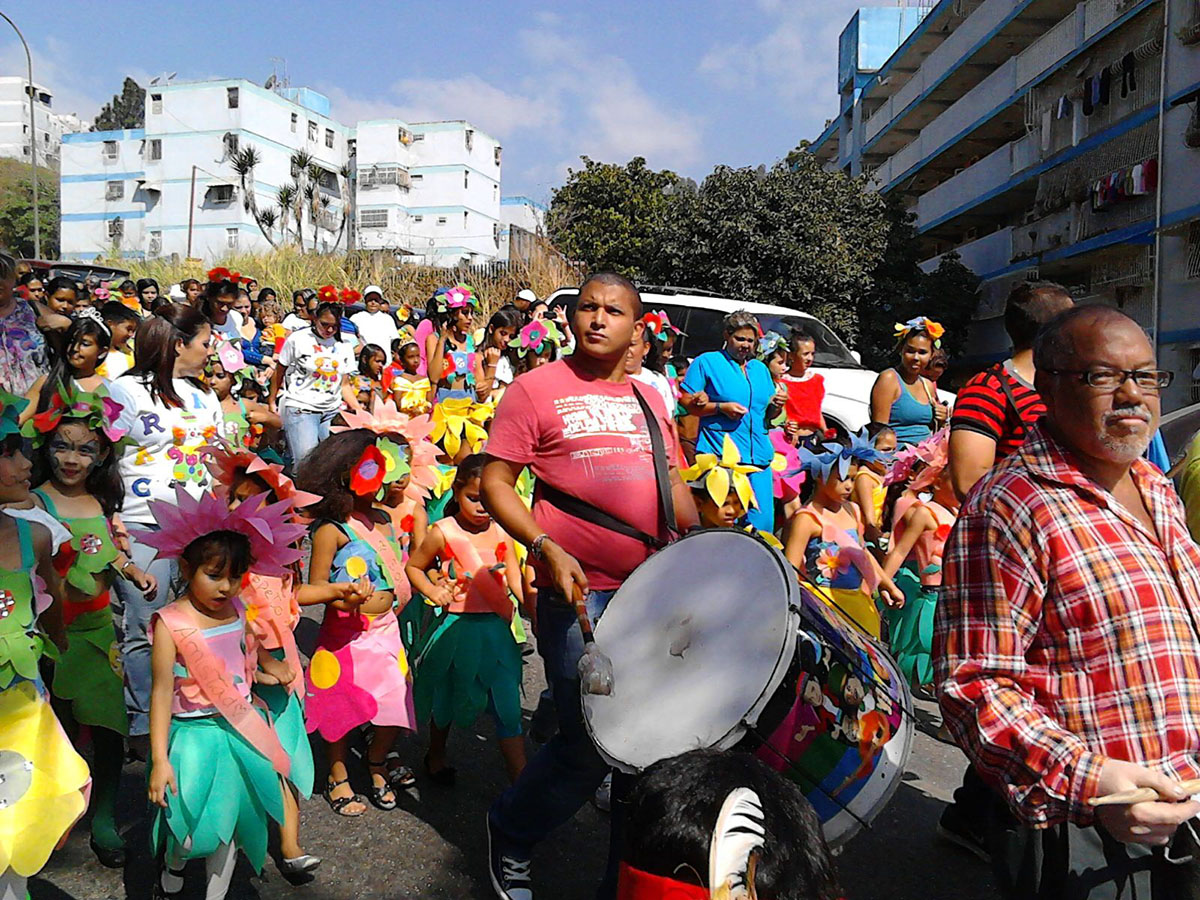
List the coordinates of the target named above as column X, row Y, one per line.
column 718, row 474
column 457, row 419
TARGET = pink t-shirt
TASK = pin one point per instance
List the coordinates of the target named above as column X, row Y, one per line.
column 588, row 439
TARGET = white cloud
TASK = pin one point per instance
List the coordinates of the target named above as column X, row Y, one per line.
column 73, row 91
column 796, row 60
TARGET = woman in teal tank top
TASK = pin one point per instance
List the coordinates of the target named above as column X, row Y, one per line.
column 903, row 398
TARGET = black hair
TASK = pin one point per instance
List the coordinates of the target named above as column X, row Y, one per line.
column 1030, row 305
column 799, row 335
column 154, row 352
column 143, row 283
column 938, row 357
column 127, row 283
column 653, row 360
column 875, row 429
column 32, row 275
column 326, row 471
column 504, row 317
column 114, row 312
column 61, row 283
column 468, row 470
column 260, row 392
column 673, row 809
column 268, row 291
column 61, row 372
column 104, row 482
column 912, row 334
column 337, row 307
column 364, row 358
column 219, row 549
column 215, row 290
column 1054, row 346
column 614, row 280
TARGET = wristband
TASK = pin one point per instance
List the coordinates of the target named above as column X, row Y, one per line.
column 121, row 571
column 535, row 549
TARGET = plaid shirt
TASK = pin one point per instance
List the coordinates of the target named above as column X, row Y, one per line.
column 1068, row 632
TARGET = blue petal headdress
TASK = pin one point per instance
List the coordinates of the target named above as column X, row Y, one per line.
column 860, row 450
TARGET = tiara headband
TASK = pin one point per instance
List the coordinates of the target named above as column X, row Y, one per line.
column 90, row 312
column 934, row 329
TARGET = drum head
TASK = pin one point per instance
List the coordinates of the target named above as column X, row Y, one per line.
column 700, row 636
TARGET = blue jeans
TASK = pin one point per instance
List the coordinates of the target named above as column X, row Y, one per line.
column 565, row 773
column 304, row 430
column 131, row 616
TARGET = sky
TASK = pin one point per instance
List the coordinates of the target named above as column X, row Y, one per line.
column 687, row 85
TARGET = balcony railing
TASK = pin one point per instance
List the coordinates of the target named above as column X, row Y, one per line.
column 986, row 175
column 987, row 254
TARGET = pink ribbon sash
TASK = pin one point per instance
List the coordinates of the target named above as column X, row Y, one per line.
column 272, row 599
column 388, row 557
column 216, row 682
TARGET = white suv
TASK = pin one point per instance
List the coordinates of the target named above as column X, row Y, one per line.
column 848, row 384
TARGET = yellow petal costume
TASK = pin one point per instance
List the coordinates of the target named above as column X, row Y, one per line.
column 459, row 419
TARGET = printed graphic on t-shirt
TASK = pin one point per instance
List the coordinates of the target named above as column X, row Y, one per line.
column 596, row 416
column 325, row 374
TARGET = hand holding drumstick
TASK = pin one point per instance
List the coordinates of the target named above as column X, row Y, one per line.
column 1137, row 805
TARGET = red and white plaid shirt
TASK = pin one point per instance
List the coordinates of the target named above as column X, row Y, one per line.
column 1068, row 632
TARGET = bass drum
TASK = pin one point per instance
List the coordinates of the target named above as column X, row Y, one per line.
column 700, row 636
column 842, row 725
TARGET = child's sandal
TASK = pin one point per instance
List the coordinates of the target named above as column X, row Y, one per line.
column 339, row 804
column 401, row 776
column 379, row 793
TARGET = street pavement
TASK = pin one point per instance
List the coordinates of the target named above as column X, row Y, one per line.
column 434, row 845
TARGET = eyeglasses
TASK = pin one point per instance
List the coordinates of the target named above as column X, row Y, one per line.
column 1152, row 380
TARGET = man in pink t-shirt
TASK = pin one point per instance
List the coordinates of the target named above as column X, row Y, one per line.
column 578, row 426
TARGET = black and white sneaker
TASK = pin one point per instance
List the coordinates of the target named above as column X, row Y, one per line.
column 510, row 874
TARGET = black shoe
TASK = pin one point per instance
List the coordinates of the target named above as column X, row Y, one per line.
column 446, row 776
column 109, row 857
column 510, row 874
column 957, row 828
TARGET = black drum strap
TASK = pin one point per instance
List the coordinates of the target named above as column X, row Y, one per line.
column 658, row 448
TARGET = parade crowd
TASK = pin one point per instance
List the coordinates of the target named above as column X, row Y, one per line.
column 182, row 471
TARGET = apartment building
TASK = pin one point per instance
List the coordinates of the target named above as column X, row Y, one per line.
column 180, row 186
column 522, row 224
column 49, row 125
column 1043, row 139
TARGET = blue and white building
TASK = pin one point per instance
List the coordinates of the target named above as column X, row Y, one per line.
column 522, row 226
column 427, row 191
column 1046, row 139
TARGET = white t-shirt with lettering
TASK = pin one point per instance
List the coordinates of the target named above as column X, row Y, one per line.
column 315, row 369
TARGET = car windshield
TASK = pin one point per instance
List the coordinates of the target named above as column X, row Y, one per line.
column 705, row 332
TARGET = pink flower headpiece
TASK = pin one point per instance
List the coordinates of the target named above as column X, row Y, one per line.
column 387, row 419
column 269, row 528
column 226, row 462
column 457, row 297
column 927, row 460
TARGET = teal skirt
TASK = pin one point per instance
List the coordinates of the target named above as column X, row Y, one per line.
column 470, row 665
column 287, row 715
column 227, row 791
column 910, row 629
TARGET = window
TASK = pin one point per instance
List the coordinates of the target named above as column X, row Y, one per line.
column 230, row 140
column 220, row 193
column 418, row 219
column 405, row 136
column 231, row 97
column 25, row 149
column 156, row 104
column 416, row 179
column 295, row 119
column 1193, row 250
column 465, row 214
column 24, row 129
column 495, row 192
column 497, row 156
column 231, row 238
column 441, row 220
column 466, row 179
column 110, row 150
column 156, row 149
column 352, row 148
column 312, row 130
column 373, row 218
column 418, row 136
column 496, row 233
column 116, row 229
column 328, row 137
column 469, row 139
column 155, row 248
column 45, row 137
column 114, row 190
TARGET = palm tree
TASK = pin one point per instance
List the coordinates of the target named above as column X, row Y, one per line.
column 243, row 163
column 344, row 176
column 286, row 196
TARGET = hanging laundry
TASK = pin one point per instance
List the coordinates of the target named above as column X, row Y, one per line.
column 1128, row 74
column 1105, row 86
column 1064, row 108
column 1088, row 103
column 1150, row 169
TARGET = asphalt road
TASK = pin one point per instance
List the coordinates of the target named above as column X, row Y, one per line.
column 434, row 845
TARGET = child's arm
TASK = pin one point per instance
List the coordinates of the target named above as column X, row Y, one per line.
column 162, row 690
column 800, row 530
column 333, row 591
column 326, row 541
column 421, row 559
column 32, row 396
column 512, row 573
column 271, row 670
column 51, row 619
column 258, row 414
column 420, row 524
column 349, row 396
column 435, row 349
column 917, row 521
column 864, row 489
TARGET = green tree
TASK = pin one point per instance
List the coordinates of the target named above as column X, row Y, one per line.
column 794, row 236
column 126, row 109
column 613, row 217
column 16, row 215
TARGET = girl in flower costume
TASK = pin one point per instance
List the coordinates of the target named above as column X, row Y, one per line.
column 455, row 369
column 922, row 520
column 721, row 485
column 215, row 759
column 359, row 672
column 273, row 608
column 75, row 466
column 825, row 537
column 870, row 489
column 243, row 422
column 471, row 663
column 410, row 389
column 46, row 782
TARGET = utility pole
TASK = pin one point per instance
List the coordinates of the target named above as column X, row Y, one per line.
column 191, row 213
column 37, row 231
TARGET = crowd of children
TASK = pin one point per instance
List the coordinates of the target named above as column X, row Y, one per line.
column 422, row 593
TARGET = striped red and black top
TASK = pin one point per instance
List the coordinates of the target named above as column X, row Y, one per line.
column 983, row 406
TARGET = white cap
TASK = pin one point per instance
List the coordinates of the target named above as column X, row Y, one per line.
column 373, row 289
column 176, row 293
column 527, row 295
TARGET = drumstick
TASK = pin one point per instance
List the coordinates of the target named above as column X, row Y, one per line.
column 1142, row 795
column 595, row 669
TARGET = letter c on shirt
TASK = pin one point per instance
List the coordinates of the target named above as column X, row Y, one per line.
column 141, row 487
